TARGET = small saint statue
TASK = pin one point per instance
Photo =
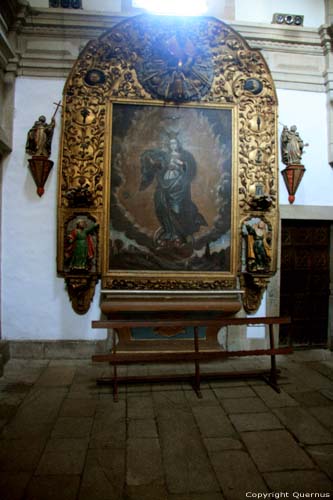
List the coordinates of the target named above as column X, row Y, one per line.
column 258, row 246
column 40, row 137
column 80, row 246
column 38, row 145
column 291, row 146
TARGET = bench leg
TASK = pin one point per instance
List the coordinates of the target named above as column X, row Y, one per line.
column 115, row 374
column 196, row 384
column 272, row 381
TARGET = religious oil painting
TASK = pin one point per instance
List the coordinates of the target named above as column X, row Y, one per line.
column 171, row 188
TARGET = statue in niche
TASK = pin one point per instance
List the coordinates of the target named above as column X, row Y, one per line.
column 258, row 245
column 80, row 246
column 40, row 137
column 174, row 171
column 260, row 200
column 291, row 146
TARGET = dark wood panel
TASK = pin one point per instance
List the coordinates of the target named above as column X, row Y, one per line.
column 305, row 281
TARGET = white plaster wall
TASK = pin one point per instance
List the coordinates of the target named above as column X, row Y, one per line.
column 92, row 5
column 257, row 331
column 308, row 111
column 35, row 304
column 261, row 11
column 102, row 5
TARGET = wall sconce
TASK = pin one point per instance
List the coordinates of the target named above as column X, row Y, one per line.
column 291, row 152
column 292, row 176
column 40, row 167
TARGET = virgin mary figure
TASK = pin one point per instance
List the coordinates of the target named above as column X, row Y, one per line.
column 177, row 214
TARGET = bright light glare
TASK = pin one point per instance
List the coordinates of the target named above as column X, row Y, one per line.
column 173, row 7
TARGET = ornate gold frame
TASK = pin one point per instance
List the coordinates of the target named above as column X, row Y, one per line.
column 215, row 68
column 165, row 280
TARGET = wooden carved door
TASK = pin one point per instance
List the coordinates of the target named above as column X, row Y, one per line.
column 305, row 277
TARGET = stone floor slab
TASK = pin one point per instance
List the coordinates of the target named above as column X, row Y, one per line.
column 78, row 407
column 243, row 405
column 12, row 486
column 103, row 476
column 208, row 397
column 323, row 456
column 72, row 427
column 304, row 426
column 324, row 368
column 18, row 428
column 311, row 481
column 140, row 407
column 61, row 462
column 237, row 474
column 53, row 488
column 221, row 444
column 215, row 384
column 325, row 415
column 275, row 399
column 87, row 374
column 328, row 394
column 110, row 425
column 185, row 460
column 144, row 462
column 66, row 444
column 142, row 428
column 7, row 411
column 83, row 391
column 311, row 398
column 108, row 432
column 275, row 450
column 20, row 455
column 197, row 496
column 213, row 422
column 56, row 376
column 310, row 379
column 255, row 421
column 170, row 400
column 41, row 405
column 152, row 491
column 234, row 392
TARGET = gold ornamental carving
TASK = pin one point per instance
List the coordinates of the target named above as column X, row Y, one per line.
column 198, row 62
column 163, row 284
column 254, row 287
column 81, row 291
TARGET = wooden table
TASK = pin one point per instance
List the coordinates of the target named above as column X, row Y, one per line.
column 195, row 355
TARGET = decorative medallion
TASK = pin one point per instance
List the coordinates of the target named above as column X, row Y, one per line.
column 94, row 77
column 253, row 85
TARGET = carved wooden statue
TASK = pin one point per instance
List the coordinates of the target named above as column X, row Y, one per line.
column 292, row 146
column 40, row 137
column 38, row 145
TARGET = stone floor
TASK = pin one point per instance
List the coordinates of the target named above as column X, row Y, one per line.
column 63, row 437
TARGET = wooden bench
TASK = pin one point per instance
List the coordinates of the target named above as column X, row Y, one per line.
column 197, row 354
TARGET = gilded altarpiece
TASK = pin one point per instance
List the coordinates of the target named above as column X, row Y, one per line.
column 168, row 167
